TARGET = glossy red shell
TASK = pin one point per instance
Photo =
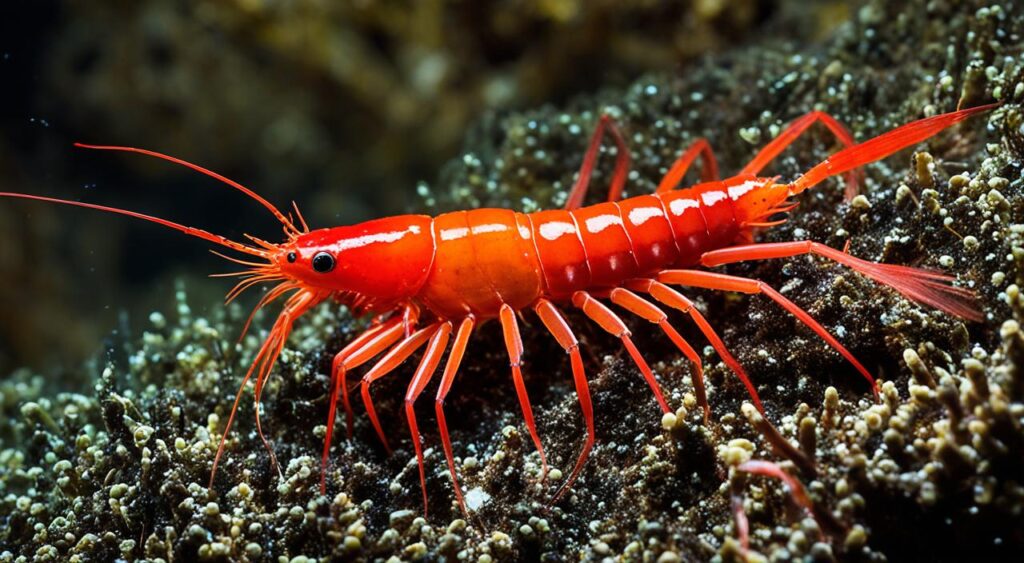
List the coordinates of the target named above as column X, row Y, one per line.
column 472, row 262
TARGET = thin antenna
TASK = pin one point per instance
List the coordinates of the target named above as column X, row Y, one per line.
column 288, row 225
column 192, row 231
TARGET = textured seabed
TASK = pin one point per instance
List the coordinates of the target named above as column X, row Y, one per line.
column 931, row 472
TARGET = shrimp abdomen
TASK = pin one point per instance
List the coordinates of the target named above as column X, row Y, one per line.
column 487, row 258
column 484, row 258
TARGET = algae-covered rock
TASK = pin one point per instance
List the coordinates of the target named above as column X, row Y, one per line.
column 932, row 471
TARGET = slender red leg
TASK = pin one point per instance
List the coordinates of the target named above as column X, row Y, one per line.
column 771, row 469
column 380, row 342
column 514, row 344
column 612, row 324
column 386, row 365
column 377, row 343
column 259, row 432
column 274, row 344
column 708, row 173
column 882, row 146
column 579, row 189
column 672, row 298
column 231, row 418
column 742, row 523
column 712, row 280
column 922, row 286
column 426, row 369
column 827, row 523
column 372, row 342
column 556, row 325
column 450, row 369
column 261, row 365
column 791, row 133
column 643, row 308
column 271, row 350
column 364, row 347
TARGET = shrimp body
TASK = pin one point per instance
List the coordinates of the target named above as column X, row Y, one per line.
column 428, row 281
column 475, row 262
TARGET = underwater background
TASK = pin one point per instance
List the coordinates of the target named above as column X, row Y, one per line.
column 118, row 360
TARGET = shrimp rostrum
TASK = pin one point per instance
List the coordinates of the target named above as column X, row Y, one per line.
column 428, row 282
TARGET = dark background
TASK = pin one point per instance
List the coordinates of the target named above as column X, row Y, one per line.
column 340, row 106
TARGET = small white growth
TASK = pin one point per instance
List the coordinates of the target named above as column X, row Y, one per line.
column 476, row 498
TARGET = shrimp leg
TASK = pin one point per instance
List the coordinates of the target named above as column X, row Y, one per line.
column 708, row 173
column 450, row 369
column 699, row 148
column 295, row 307
column 514, row 344
column 386, row 365
column 645, row 309
column 712, row 280
column 671, row 298
column 556, row 325
column 426, row 369
column 921, row 286
column 612, row 324
column 364, row 347
column 377, row 342
column 791, row 133
column 579, row 189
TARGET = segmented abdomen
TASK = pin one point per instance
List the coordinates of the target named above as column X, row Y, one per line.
column 602, row 245
column 487, row 257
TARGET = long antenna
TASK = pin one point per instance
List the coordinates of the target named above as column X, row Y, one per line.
column 883, row 146
column 192, row 231
column 288, row 225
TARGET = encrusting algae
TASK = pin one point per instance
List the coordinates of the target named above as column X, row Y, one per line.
column 933, row 471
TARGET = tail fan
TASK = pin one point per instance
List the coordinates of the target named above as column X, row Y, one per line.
column 923, row 286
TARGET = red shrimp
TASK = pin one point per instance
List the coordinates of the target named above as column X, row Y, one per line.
column 424, row 278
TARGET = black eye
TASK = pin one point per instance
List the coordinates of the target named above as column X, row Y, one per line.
column 323, row 262
column 291, row 257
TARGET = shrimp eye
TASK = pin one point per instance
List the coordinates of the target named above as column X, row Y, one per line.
column 292, row 257
column 323, row 262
